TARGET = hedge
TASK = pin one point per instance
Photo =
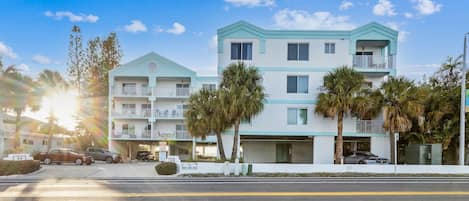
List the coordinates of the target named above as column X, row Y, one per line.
column 166, row 168
column 18, row 167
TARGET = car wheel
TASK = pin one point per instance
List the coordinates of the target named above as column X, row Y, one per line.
column 88, row 162
column 108, row 159
column 47, row 161
column 361, row 162
column 78, row 161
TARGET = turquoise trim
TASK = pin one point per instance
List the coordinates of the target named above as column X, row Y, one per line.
column 305, row 133
column 290, row 101
column 295, row 69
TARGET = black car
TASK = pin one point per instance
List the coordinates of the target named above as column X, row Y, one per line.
column 363, row 157
column 145, row 156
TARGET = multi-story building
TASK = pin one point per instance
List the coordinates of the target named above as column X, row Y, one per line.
column 147, row 100
column 292, row 64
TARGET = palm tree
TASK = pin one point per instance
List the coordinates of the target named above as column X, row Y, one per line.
column 19, row 92
column 205, row 115
column 245, row 96
column 401, row 102
column 52, row 84
column 340, row 98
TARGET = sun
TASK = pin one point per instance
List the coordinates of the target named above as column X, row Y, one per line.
column 64, row 107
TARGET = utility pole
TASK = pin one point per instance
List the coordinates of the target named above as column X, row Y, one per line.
column 462, row 120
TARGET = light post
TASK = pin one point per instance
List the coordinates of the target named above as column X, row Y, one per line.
column 462, row 129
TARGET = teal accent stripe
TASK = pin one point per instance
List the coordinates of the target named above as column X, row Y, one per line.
column 305, row 133
column 295, row 69
column 289, row 101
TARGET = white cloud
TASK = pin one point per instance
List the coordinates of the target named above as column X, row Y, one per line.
column 345, row 5
column 72, row 17
column 213, row 42
column 384, row 8
column 177, row 29
column 408, row 15
column 417, row 71
column 23, row 67
column 6, row 51
column 251, row 3
column 402, row 34
column 41, row 59
column 135, row 26
column 427, row 7
column 300, row 19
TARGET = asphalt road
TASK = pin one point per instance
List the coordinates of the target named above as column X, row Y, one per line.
column 328, row 189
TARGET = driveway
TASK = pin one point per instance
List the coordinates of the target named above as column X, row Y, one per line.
column 95, row 170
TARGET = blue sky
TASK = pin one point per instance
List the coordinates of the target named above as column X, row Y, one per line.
column 34, row 34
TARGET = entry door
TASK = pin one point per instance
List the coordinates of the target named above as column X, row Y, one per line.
column 283, row 153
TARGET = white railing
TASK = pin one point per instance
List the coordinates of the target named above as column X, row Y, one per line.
column 369, row 126
column 131, row 134
column 178, row 134
column 146, row 113
column 169, row 114
column 131, row 91
column 173, row 92
column 374, row 61
column 183, row 134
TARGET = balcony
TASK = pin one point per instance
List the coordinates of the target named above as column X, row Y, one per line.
column 146, row 135
column 132, row 114
column 172, row 135
column 131, row 91
column 131, row 134
column 173, row 92
column 169, row 114
column 369, row 126
column 375, row 62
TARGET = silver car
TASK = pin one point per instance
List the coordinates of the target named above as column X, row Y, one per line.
column 364, row 157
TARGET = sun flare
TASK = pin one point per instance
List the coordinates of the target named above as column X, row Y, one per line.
column 64, row 107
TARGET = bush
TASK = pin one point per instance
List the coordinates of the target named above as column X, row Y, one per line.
column 18, row 167
column 166, row 168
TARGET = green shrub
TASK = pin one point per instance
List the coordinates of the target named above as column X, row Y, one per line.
column 18, row 167
column 166, row 168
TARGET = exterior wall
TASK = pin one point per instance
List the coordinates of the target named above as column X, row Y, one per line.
column 380, row 146
column 265, row 152
column 323, row 149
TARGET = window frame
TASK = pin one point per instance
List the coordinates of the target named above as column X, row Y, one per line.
column 329, row 48
column 241, row 53
column 298, row 57
column 298, row 83
column 298, row 121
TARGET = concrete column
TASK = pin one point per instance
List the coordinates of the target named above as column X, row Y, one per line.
column 323, row 150
column 193, row 148
column 227, row 144
column 379, row 145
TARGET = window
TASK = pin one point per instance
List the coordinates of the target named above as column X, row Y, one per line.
column 241, row 51
column 145, row 90
column 129, row 88
column 367, row 85
column 210, row 87
column 297, row 116
column 128, row 129
column 298, row 51
column 329, row 48
column 128, row 108
column 44, row 142
column 297, row 84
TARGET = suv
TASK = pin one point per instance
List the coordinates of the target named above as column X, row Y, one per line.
column 103, row 155
column 145, row 156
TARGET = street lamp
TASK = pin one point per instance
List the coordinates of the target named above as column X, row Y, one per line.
column 462, row 129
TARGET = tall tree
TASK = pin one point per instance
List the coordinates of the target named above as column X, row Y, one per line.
column 76, row 67
column 205, row 115
column 340, row 97
column 245, row 96
column 52, row 85
column 401, row 103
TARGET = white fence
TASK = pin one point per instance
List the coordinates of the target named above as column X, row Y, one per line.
column 219, row 168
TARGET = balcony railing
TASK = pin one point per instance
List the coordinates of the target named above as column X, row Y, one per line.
column 145, row 113
column 169, row 114
column 157, row 135
column 183, row 134
column 131, row 91
column 369, row 126
column 131, row 134
column 172, row 92
column 374, row 61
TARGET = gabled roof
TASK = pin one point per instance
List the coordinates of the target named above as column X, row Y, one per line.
column 140, row 67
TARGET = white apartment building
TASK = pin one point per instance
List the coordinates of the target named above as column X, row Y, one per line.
column 292, row 64
column 147, row 100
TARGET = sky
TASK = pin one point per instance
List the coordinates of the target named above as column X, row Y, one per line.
column 34, row 34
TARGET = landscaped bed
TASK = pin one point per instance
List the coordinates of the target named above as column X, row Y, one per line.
column 18, row 167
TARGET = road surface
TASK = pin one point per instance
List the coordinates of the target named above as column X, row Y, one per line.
column 317, row 188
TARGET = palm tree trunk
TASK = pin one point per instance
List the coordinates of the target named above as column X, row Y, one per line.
column 221, row 150
column 392, row 142
column 17, row 143
column 340, row 140
column 235, row 141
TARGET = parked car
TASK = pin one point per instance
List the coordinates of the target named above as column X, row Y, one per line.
column 145, row 156
column 363, row 157
column 101, row 154
column 63, row 155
